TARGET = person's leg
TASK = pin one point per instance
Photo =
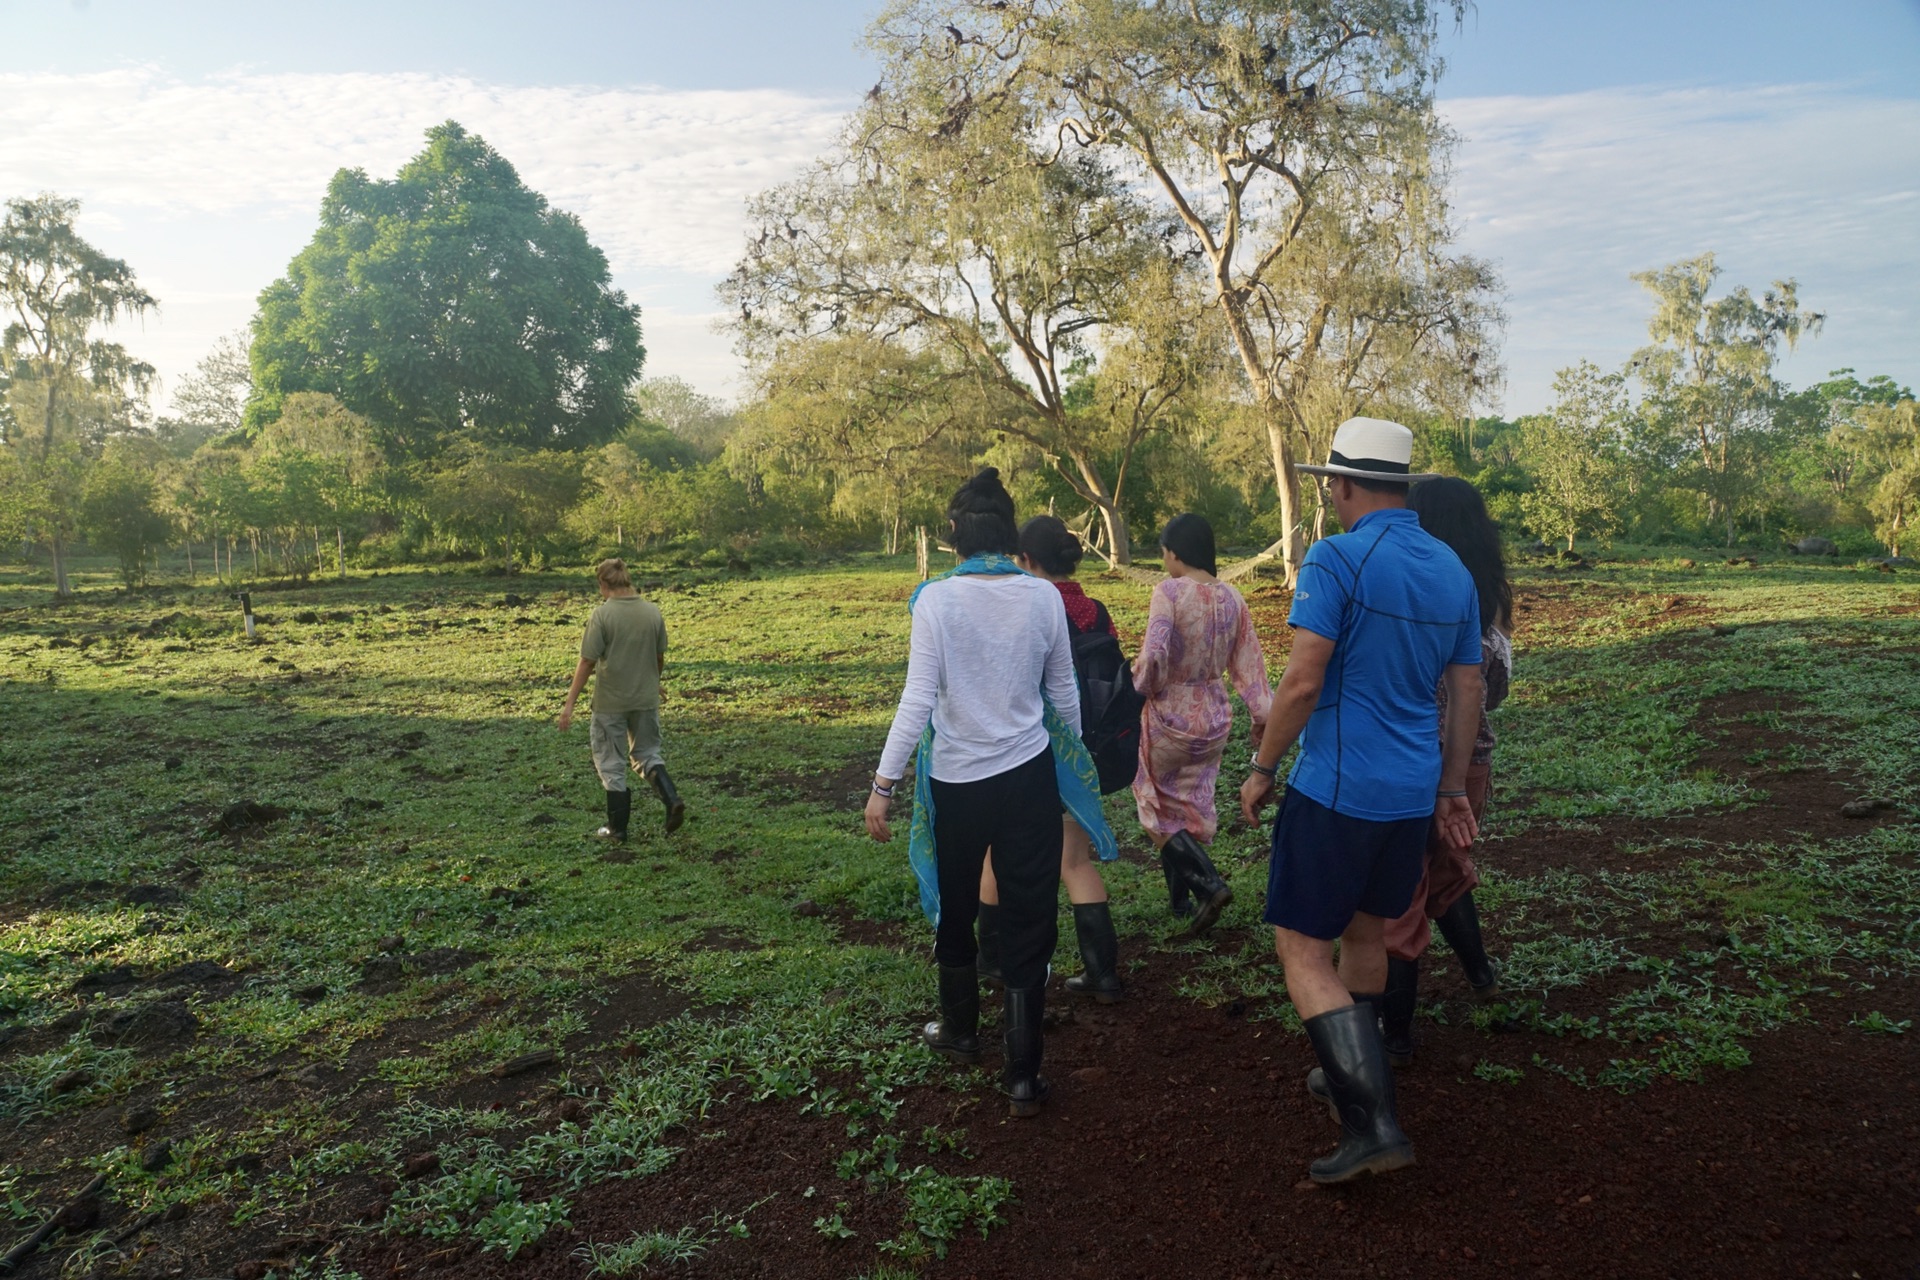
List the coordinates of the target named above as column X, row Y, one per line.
column 643, row 739
column 1092, row 918
column 960, row 847
column 1149, row 801
column 1453, row 909
column 989, row 961
column 607, row 736
column 1026, row 848
column 1363, row 954
column 1078, row 871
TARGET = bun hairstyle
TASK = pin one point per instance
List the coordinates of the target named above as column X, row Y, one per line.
column 982, row 514
column 614, row 573
column 1191, row 538
column 1047, row 543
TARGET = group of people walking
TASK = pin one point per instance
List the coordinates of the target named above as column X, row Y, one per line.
column 1399, row 648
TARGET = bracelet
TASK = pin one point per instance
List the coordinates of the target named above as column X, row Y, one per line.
column 1264, row 770
column 885, row 793
column 1451, row 795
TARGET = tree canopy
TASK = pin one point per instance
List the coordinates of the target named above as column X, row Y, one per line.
column 450, row 304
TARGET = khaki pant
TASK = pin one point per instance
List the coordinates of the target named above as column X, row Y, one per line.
column 620, row 737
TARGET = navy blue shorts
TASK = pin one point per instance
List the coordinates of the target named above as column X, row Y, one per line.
column 1326, row 866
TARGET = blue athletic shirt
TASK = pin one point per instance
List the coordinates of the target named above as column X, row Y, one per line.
column 1399, row 607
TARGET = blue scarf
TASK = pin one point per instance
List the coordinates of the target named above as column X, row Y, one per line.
column 1072, row 768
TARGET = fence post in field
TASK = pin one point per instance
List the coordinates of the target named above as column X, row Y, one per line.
column 920, row 550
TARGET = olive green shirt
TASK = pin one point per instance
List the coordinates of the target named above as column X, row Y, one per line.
column 625, row 639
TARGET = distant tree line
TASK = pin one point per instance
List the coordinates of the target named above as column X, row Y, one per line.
column 1144, row 259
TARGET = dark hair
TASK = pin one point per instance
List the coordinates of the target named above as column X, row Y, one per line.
column 1047, row 542
column 1454, row 512
column 982, row 515
column 1191, row 538
column 1378, row 486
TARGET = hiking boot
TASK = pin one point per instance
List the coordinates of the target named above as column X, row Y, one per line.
column 956, row 1036
column 1099, row 951
column 669, row 796
column 1360, row 1085
column 619, row 809
column 1021, row 1081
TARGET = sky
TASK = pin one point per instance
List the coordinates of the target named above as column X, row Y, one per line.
column 1596, row 140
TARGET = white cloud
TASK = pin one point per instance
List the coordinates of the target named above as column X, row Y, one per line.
column 1571, row 194
column 209, row 186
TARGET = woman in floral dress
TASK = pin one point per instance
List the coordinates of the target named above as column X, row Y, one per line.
column 1197, row 628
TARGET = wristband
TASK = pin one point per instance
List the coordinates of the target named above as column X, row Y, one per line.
column 1263, row 770
column 1451, row 795
column 885, row 793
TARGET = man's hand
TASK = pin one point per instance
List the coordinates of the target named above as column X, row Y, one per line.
column 565, row 722
column 1256, row 793
column 876, row 815
column 1453, row 818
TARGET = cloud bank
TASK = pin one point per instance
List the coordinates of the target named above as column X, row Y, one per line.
column 208, row 187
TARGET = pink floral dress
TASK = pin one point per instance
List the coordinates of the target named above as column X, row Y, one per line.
column 1195, row 631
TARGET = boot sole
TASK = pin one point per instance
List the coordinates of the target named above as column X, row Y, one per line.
column 1028, row 1108
column 1098, row 997
column 1387, row 1161
column 965, row 1057
column 1208, row 913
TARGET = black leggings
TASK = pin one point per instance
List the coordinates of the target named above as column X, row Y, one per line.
column 1017, row 815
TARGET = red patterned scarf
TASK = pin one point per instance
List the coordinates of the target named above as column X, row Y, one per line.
column 1082, row 612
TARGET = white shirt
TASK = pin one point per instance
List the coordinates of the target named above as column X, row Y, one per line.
column 983, row 651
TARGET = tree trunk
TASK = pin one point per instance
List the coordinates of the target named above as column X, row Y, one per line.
column 1119, row 537
column 253, row 544
column 340, row 544
column 62, row 589
column 1287, row 483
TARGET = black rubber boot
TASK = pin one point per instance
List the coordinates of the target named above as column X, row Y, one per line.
column 1179, row 897
column 988, row 962
column 1347, row 1042
column 1025, row 1087
column 1396, row 1009
column 619, row 809
column 1317, row 1078
column 1099, row 951
column 669, row 796
column 1460, row 926
column 1210, row 893
column 957, row 1034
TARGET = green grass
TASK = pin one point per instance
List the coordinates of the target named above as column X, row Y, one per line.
column 408, row 731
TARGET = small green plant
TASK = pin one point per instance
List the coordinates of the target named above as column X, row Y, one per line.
column 643, row 1249
column 1496, row 1073
column 835, row 1227
column 512, row 1225
column 1878, row 1023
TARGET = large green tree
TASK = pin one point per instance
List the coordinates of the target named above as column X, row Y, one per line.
column 1708, row 375
column 1572, row 455
column 67, row 388
column 450, row 304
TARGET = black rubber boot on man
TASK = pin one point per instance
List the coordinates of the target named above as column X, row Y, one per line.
column 1025, row 1087
column 989, row 959
column 1347, row 1042
column 1396, row 1009
column 1460, row 926
column 1099, row 952
column 957, row 1035
column 669, row 796
column 619, row 808
column 1210, row 893
column 1317, row 1079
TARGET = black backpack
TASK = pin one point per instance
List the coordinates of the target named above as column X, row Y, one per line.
column 1109, row 708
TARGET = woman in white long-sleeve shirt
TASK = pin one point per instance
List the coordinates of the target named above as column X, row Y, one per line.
column 990, row 649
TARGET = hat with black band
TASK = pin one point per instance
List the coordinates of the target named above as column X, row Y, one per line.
column 1370, row 449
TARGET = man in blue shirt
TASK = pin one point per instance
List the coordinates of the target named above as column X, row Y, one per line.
column 1381, row 615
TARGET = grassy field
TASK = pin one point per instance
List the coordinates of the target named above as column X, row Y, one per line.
column 334, row 1005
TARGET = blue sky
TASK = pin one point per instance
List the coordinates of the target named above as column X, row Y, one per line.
column 1598, row 138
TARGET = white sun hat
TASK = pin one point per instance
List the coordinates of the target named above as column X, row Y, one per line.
column 1370, row 449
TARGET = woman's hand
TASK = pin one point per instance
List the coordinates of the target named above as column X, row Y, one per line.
column 1453, row 816
column 1256, row 793
column 876, row 816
